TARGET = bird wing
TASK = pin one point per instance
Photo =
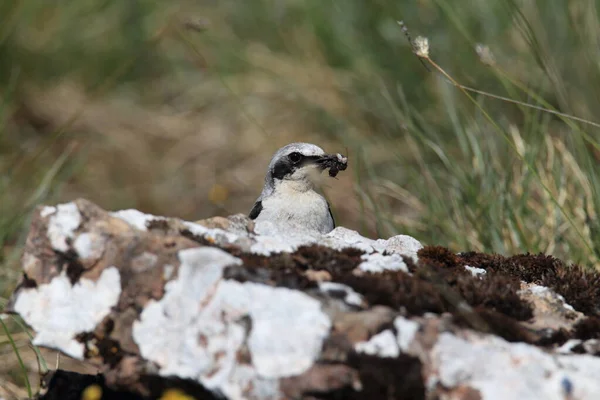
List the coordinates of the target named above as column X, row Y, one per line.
column 331, row 214
column 256, row 210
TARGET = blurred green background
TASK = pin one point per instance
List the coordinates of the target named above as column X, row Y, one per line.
column 175, row 108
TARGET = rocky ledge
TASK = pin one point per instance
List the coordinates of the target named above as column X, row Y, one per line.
column 222, row 308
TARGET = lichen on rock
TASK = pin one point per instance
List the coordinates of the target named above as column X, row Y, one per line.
column 225, row 308
column 58, row 311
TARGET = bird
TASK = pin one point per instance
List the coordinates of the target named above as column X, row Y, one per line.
column 288, row 199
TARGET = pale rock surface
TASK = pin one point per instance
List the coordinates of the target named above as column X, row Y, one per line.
column 242, row 311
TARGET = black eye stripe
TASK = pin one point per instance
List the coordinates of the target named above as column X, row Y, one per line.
column 281, row 169
column 287, row 166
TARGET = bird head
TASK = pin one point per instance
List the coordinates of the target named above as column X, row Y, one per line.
column 300, row 165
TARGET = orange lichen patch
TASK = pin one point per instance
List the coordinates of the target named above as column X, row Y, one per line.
column 92, row 392
column 175, row 394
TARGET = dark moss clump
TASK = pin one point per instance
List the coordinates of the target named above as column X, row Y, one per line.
column 288, row 270
column 588, row 328
column 438, row 256
column 526, row 267
column 439, row 283
column 276, row 270
column 327, row 259
column 382, row 378
column 410, row 264
column 160, row 224
column 396, row 289
column 579, row 287
column 396, row 378
column 315, row 257
column 420, row 294
column 496, row 293
column 283, row 277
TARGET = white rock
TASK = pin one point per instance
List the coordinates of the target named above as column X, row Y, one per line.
column 404, row 245
column 168, row 270
column 568, row 346
column 341, row 238
column 475, row 271
column 382, row 344
column 139, row 220
column 47, row 210
column 406, row 332
column 144, row 262
column 135, row 218
column 197, row 328
column 89, row 245
column 374, row 259
column 58, row 311
column 282, row 343
column 267, row 245
column 62, row 225
column 501, row 370
column 549, row 294
column 377, row 262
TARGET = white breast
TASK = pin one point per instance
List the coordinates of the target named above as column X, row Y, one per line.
column 291, row 209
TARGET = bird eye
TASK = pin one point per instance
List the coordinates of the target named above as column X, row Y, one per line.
column 295, row 157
